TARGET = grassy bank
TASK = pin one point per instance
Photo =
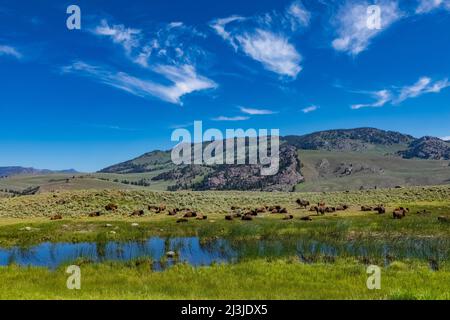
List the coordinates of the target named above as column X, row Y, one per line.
column 257, row 279
column 77, row 204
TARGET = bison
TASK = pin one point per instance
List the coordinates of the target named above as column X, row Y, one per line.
column 56, row 217
column 137, row 213
column 182, row 220
column 190, row 214
column 229, row 217
column 366, row 208
column 400, row 213
column 288, row 217
column 380, row 209
column 306, row 218
column 247, row 217
column 111, row 207
column 302, row 203
column 95, row 214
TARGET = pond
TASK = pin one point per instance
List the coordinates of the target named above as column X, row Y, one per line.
column 201, row 252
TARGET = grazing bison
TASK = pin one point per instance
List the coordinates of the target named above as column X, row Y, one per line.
column 342, row 207
column 288, row 217
column 330, row 209
column 172, row 212
column 201, row 217
column 190, row 214
column 137, row 213
column 380, row 209
column 111, row 207
column 400, row 213
column 182, row 220
column 320, row 210
column 283, row 210
column 302, row 203
column 366, row 208
column 56, row 217
column 307, row 218
column 95, row 214
column 237, row 215
column 247, row 217
column 157, row 209
column 443, row 219
column 229, row 217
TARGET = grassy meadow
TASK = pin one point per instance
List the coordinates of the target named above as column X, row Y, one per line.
column 357, row 237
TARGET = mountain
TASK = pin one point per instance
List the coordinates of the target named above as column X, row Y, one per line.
column 15, row 170
column 147, row 162
column 427, row 148
column 349, row 139
column 322, row 161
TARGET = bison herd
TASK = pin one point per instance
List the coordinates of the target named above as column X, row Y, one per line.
column 248, row 214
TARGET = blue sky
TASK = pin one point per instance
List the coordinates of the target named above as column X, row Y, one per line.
column 136, row 70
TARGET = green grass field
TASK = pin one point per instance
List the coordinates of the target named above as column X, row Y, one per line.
column 414, row 242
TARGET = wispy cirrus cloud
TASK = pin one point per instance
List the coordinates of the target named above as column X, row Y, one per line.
column 254, row 111
column 381, row 98
column 426, row 6
column 128, row 38
column 235, row 118
column 422, row 86
column 397, row 95
column 184, row 80
column 266, row 38
column 6, row 50
column 309, row 109
column 353, row 36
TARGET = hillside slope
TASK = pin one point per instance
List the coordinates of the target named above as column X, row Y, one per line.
column 326, row 160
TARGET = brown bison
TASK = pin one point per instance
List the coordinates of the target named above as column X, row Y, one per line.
column 172, row 212
column 342, row 207
column 400, row 213
column 302, row 203
column 247, row 217
column 56, row 217
column 201, row 217
column 443, row 219
column 366, row 208
column 157, row 209
column 111, row 207
column 307, row 218
column 137, row 213
column 380, row 209
column 190, row 214
column 95, row 214
column 182, row 220
column 288, row 217
column 229, row 217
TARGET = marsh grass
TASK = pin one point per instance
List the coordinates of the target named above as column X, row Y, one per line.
column 256, row 279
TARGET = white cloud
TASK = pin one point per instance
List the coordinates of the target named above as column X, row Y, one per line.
column 353, row 34
column 128, row 38
column 273, row 51
column 184, row 80
column 310, row 109
column 396, row 96
column 447, row 138
column 382, row 97
column 426, row 6
column 10, row 51
column 237, row 118
column 252, row 111
column 297, row 14
column 219, row 26
column 422, row 86
column 266, row 38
